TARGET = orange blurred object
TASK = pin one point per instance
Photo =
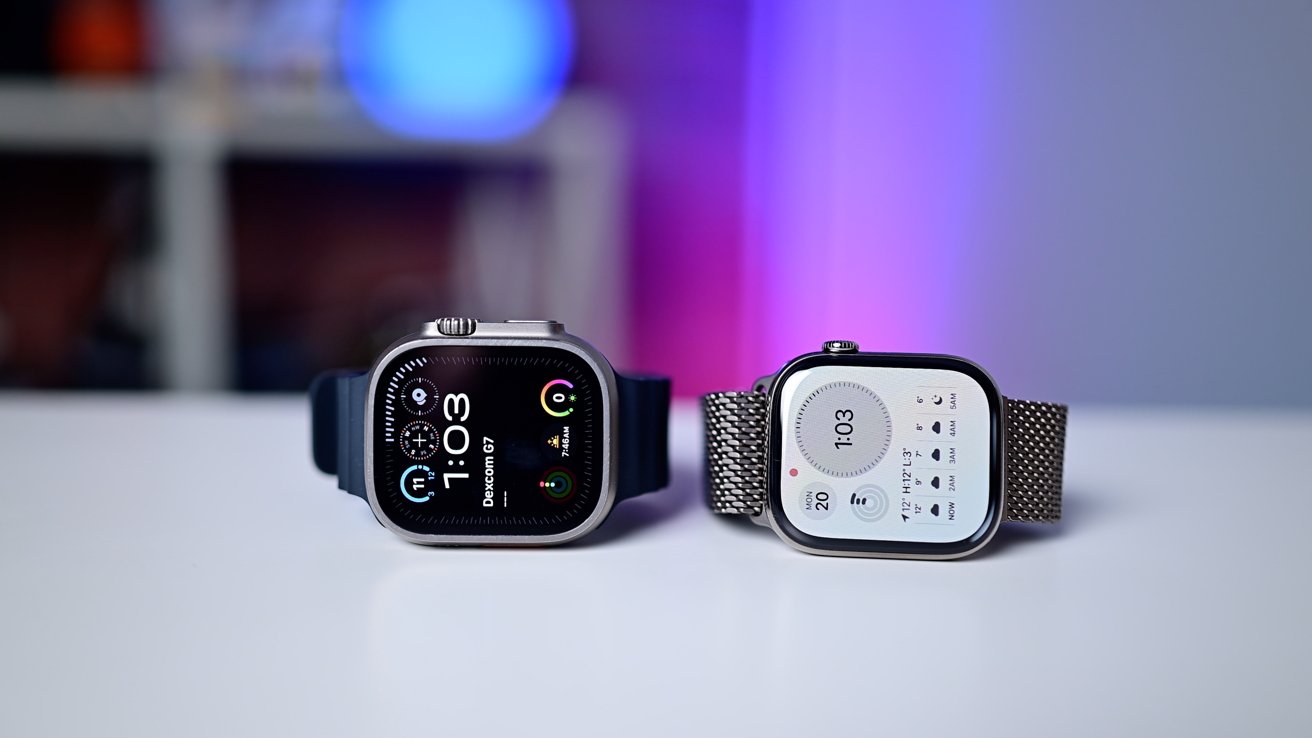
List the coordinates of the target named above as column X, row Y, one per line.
column 99, row 38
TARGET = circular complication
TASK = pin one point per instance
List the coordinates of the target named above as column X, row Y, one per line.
column 817, row 500
column 557, row 484
column 419, row 440
column 843, row 429
column 419, row 396
column 869, row 503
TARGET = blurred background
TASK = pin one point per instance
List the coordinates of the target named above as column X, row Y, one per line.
column 1098, row 201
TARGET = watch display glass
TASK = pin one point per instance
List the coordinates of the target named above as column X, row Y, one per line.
column 885, row 452
column 488, row 440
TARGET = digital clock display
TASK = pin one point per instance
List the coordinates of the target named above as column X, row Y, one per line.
column 487, row 440
column 896, row 453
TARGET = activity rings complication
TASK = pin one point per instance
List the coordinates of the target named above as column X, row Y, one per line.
column 519, row 434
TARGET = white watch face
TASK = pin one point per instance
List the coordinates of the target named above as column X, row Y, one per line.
column 885, row 453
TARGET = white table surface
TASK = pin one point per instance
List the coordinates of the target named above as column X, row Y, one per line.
column 177, row 567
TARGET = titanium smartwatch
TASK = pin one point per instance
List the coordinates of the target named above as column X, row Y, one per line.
column 482, row 433
column 910, row 456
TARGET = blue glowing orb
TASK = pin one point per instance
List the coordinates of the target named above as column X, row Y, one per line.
column 456, row 69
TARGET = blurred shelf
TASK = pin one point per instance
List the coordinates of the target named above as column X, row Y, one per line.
column 35, row 115
column 137, row 118
column 188, row 133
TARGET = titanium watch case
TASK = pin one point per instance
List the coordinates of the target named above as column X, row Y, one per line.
column 843, row 353
column 513, row 333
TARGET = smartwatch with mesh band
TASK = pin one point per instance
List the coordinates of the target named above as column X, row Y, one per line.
column 845, row 453
column 491, row 433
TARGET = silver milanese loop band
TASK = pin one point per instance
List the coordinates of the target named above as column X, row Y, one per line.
column 737, row 425
column 1036, row 448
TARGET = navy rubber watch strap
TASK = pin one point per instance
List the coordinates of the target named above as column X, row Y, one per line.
column 644, row 430
column 337, row 405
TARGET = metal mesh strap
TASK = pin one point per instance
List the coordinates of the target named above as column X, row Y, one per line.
column 1036, row 446
column 736, row 432
column 737, row 428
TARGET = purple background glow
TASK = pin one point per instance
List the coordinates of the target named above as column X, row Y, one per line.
column 1099, row 202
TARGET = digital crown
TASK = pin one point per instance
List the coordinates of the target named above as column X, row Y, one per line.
column 456, row 326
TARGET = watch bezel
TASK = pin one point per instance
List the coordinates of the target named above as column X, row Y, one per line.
column 609, row 426
column 778, row 519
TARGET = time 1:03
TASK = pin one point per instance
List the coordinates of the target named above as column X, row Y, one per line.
column 455, row 408
column 843, row 428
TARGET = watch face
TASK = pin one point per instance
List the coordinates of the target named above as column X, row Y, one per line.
column 886, row 453
column 496, row 440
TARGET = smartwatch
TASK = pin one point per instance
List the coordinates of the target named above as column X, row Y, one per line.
column 487, row 433
column 845, row 453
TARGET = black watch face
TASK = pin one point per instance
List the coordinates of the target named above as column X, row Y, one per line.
column 886, row 453
column 488, row 440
